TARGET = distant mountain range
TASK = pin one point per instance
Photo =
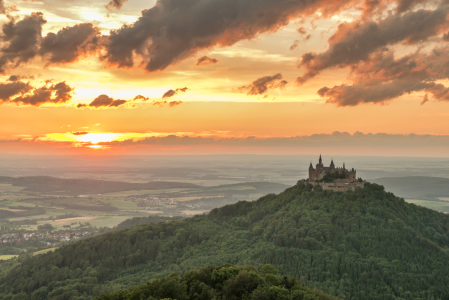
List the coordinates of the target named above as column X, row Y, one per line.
column 367, row 244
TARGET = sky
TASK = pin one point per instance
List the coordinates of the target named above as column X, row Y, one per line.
column 343, row 77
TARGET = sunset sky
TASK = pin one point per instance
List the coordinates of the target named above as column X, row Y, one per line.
column 359, row 77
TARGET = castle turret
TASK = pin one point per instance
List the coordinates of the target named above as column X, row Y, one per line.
column 320, row 161
column 311, row 167
column 332, row 164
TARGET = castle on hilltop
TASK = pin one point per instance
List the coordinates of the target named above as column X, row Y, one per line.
column 334, row 178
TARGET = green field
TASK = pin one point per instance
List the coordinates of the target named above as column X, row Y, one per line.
column 442, row 206
column 5, row 188
column 6, row 257
column 44, row 251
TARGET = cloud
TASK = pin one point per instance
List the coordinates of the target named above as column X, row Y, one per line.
column 80, row 132
column 173, row 30
column 21, row 93
column 206, row 61
column 140, row 97
column 174, row 103
column 106, row 101
column 167, row 103
column 355, row 42
column 262, row 84
column 58, row 93
column 19, row 77
column 115, row 4
column 20, row 41
column 294, row 45
column 8, row 90
column 171, row 93
column 446, row 37
column 383, row 78
column 69, row 43
column 301, row 30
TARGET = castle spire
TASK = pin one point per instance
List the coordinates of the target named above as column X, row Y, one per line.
column 320, row 161
column 311, row 167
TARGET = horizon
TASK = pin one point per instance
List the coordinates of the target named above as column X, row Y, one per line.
column 277, row 77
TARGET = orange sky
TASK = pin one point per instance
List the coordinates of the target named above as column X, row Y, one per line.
column 301, row 71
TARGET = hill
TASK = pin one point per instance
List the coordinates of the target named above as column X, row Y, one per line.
column 367, row 244
column 416, row 187
column 224, row 282
column 59, row 186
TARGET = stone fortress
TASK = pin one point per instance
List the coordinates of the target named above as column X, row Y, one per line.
column 334, row 178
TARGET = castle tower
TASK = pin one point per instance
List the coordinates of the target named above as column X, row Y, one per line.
column 320, row 161
column 332, row 166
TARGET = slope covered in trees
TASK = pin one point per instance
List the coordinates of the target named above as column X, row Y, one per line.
column 225, row 282
column 366, row 244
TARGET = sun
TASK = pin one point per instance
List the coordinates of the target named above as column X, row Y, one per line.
column 96, row 138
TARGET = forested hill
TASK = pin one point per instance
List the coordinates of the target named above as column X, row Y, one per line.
column 224, row 282
column 366, row 244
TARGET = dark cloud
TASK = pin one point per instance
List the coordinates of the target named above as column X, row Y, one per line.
column 68, row 44
column 174, row 30
column 297, row 42
column 22, row 93
column 404, row 5
column 19, row 77
column 167, row 103
column 115, row 4
column 383, row 78
column 446, row 37
column 355, row 42
column 9, row 90
column 106, row 101
column 301, row 30
column 294, row 45
column 171, row 93
column 140, row 97
column 58, row 93
column 20, row 41
column 2, row 7
column 80, row 132
column 206, row 61
column 262, row 84
column 174, row 103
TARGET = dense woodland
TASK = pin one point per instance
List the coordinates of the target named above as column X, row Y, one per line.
column 225, row 282
column 366, row 244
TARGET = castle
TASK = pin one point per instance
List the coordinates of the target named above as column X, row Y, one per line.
column 334, row 178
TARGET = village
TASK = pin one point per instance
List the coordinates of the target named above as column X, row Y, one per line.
column 159, row 201
column 45, row 237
